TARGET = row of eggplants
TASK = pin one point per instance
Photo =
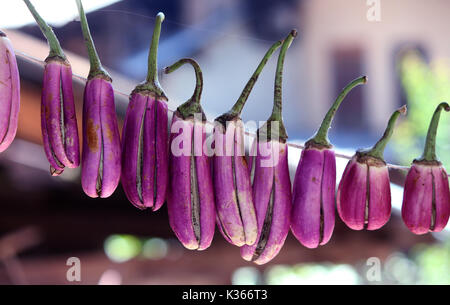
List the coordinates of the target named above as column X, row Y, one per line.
column 251, row 203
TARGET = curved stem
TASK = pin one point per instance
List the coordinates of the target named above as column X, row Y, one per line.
column 237, row 107
column 377, row 150
column 55, row 47
column 277, row 107
column 191, row 106
column 198, row 76
column 321, row 137
column 94, row 60
column 152, row 72
column 429, row 152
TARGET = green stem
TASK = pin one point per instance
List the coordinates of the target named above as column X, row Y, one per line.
column 377, row 150
column 277, row 132
column 321, row 137
column 277, row 101
column 152, row 73
column 237, row 107
column 55, row 47
column 429, row 152
column 191, row 106
column 96, row 65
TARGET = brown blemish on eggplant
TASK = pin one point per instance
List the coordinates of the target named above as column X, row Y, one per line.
column 7, row 57
column 109, row 133
column 313, row 145
column 369, row 160
column 92, row 137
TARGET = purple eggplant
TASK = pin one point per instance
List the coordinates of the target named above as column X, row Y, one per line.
column 58, row 116
column 145, row 137
column 9, row 92
column 426, row 197
column 312, row 220
column 100, row 159
column 364, row 193
column 190, row 199
column 236, row 215
column 270, row 177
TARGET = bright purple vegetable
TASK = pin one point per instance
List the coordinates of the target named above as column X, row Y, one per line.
column 145, row 138
column 190, row 200
column 58, row 116
column 100, row 166
column 236, row 215
column 312, row 220
column 364, row 193
column 270, row 174
column 426, row 197
column 9, row 92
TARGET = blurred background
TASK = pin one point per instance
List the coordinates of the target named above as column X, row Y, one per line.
column 401, row 45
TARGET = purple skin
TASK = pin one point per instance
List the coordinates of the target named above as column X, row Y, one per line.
column 60, row 134
column 315, row 183
column 273, row 199
column 312, row 219
column 145, row 151
column 236, row 215
column 426, row 199
column 100, row 167
column 364, row 194
column 9, row 93
column 190, row 201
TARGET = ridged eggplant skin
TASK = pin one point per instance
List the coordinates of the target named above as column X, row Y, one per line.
column 9, row 93
column 62, row 150
column 180, row 206
column 145, row 151
column 364, row 194
column 313, row 211
column 426, row 186
column 236, row 215
column 101, row 140
column 268, row 179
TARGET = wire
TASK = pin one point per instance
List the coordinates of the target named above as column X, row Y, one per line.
column 293, row 145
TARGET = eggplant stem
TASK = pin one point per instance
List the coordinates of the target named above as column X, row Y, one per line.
column 429, row 152
column 377, row 150
column 321, row 137
column 94, row 60
column 239, row 105
column 52, row 40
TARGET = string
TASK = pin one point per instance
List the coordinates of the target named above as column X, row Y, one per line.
column 126, row 95
column 184, row 25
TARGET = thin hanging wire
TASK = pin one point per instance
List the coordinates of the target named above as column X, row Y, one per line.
column 126, row 95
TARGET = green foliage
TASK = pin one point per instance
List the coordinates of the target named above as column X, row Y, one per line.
column 434, row 263
column 425, row 86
